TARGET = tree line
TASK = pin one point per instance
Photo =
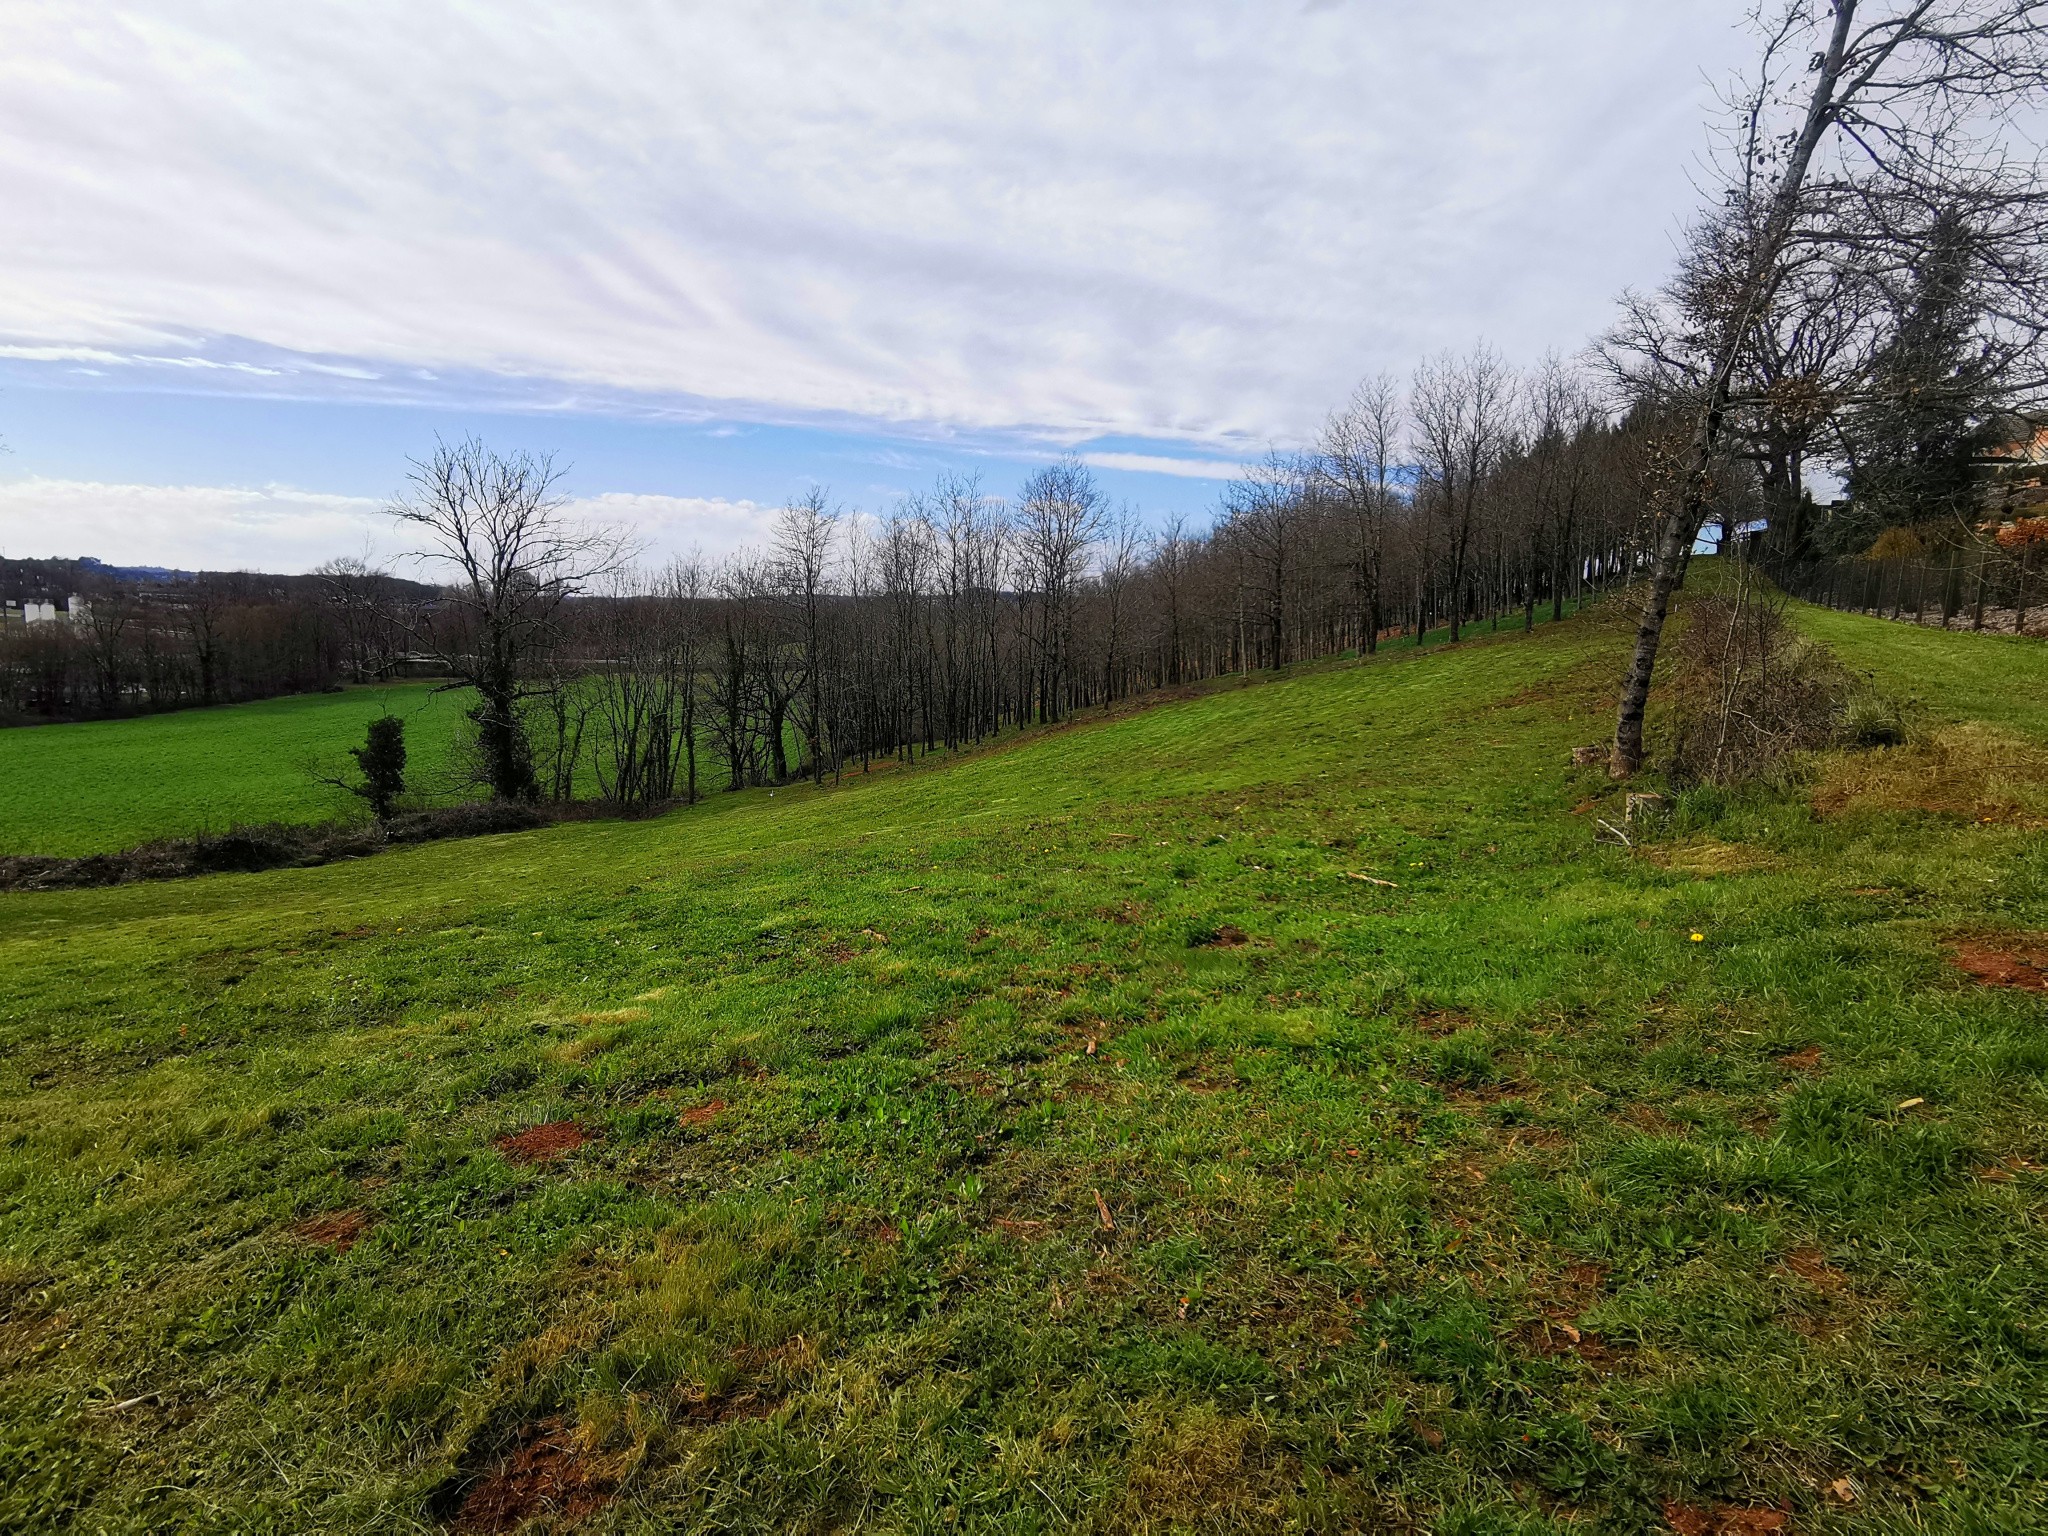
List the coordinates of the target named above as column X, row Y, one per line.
column 1470, row 495
column 123, row 645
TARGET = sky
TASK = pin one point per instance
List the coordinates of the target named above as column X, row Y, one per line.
column 260, row 255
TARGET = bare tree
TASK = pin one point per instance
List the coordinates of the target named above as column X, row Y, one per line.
column 1059, row 517
column 1170, row 558
column 1462, row 411
column 1122, row 549
column 370, row 613
column 496, row 523
column 1261, row 520
column 804, row 537
column 740, row 637
column 1355, row 462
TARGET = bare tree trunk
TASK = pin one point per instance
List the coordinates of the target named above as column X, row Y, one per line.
column 1685, row 519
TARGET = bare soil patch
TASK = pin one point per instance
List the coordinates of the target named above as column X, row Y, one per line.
column 703, row 1114
column 1571, row 1292
column 2019, row 963
column 724, row 1410
column 1436, row 1022
column 337, row 1230
column 1724, row 1519
column 1812, row 1266
column 546, row 1474
column 1805, row 1059
column 540, row 1143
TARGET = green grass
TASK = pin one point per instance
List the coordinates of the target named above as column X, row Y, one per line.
column 110, row 784
column 1480, row 1201
column 1948, row 674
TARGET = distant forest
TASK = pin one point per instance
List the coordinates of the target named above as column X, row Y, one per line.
column 135, row 640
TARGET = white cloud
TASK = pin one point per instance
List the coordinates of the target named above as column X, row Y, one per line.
column 281, row 528
column 41, row 354
column 62, row 354
column 668, row 526
column 1198, row 221
column 1160, row 464
column 192, row 527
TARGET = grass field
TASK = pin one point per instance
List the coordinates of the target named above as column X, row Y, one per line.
column 1270, row 1111
column 110, row 784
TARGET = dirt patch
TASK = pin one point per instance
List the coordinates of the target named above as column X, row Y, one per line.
column 545, row 1475
column 337, row 1230
column 1649, row 1118
column 1568, row 1294
column 1532, row 1138
column 1437, row 1022
column 2019, row 963
column 703, row 1114
column 1806, row 1059
column 1551, row 1337
column 540, row 1143
column 1724, row 1519
column 726, row 1409
column 1812, row 1266
column 1223, row 936
column 1581, row 1281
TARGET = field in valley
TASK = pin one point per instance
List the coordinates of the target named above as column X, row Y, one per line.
column 1272, row 1110
column 103, row 785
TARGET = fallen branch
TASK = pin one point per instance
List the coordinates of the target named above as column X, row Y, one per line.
column 127, row 1403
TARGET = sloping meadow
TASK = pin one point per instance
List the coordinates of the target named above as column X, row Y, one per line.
column 1275, row 1109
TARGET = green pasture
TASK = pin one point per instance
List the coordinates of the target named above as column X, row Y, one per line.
column 104, row 785
column 1271, row 1111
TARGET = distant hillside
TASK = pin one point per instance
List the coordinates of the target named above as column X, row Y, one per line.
column 25, row 579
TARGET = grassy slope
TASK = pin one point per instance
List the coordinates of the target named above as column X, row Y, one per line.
column 1370, row 1172
column 1950, row 675
column 109, row 784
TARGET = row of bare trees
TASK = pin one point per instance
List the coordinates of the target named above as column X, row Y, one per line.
column 1471, row 495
